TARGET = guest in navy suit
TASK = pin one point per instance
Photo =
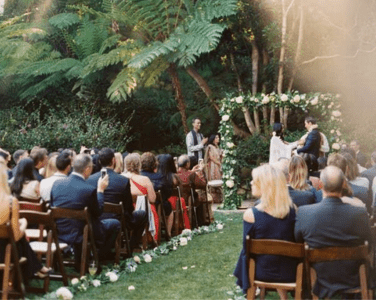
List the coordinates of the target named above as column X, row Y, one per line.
column 75, row 193
column 118, row 190
column 332, row 223
column 313, row 141
column 272, row 218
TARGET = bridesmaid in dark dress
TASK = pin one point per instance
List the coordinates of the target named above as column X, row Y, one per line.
column 272, row 218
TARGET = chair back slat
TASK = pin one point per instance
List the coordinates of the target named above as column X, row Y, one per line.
column 41, row 206
column 68, row 213
column 337, row 253
column 34, row 217
column 113, row 208
column 29, row 199
column 275, row 247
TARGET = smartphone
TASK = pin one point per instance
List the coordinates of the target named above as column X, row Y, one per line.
column 103, row 172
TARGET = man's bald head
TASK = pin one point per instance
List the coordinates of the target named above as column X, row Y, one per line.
column 332, row 178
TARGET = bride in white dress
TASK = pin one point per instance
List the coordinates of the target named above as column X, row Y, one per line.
column 278, row 147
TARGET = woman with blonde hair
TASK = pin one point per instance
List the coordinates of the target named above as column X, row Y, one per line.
column 298, row 174
column 272, row 218
column 9, row 211
column 51, row 168
column 118, row 163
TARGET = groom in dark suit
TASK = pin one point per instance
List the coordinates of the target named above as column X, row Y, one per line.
column 313, row 141
column 118, row 190
column 75, row 193
column 332, row 223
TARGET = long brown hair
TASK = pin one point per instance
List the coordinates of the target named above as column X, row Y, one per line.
column 298, row 174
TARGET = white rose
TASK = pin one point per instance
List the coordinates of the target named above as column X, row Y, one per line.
column 303, row 96
column 230, row 144
column 174, row 248
column 131, row 288
column 338, row 133
column 147, row 258
column 256, row 100
column 315, row 101
column 233, row 161
column 332, row 131
column 74, row 281
column 225, row 118
column 336, row 113
column 219, row 226
column 338, row 96
column 112, row 276
column 284, row 98
column 186, row 231
column 232, row 100
column 296, row 98
column 83, row 278
column 230, row 183
column 265, row 100
column 336, row 146
column 64, row 293
column 137, row 259
column 239, row 99
column 183, row 241
column 96, row 282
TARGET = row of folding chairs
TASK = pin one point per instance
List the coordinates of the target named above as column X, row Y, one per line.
column 305, row 271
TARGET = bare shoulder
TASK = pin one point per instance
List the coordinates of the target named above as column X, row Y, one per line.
column 248, row 216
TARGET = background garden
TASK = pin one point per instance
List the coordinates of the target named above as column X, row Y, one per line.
column 132, row 74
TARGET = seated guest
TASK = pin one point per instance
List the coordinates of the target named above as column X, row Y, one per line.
column 166, row 167
column 273, row 218
column 313, row 170
column 322, row 163
column 96, row 164
column 197, row 178
column 352, row 172
column 142, row 186
column 356, row 191
column 370, row 173
column 360, row 157
column 300, row 191
column 119, row 163
column 332, row 223
column 7, row 158
column 40, row 158
column 17, row 156
column 25, row 184
column 9, row 211
column 149, row 169
column 75, row 193
column 51, row 166
column 63, row 166
column 118, row 190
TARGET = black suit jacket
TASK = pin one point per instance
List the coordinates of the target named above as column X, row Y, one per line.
column 370, row 174
column 118, row 190
column 363, row 194
column 361, row 159
column 312, row 143
column 332, row 223
column 73, row 192
column 301, row 198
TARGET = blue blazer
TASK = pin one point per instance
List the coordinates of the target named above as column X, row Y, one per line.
column 312, row 143
column 300, row 198
column 73, row 192
column 370, row 174
column 118, row 190
column 332, row 223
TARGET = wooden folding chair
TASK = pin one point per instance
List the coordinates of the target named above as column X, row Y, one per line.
column 122, row 245
column 29, row 200
column 49, row 248
column 360, row 253
column 34, row 234
column 274, row 247
column 178, row 212
column 88, row 242
column 12, row 265
column 162, row 217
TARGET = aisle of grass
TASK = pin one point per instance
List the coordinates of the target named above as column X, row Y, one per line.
column 210, row 260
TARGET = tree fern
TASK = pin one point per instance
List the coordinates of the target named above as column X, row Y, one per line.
column 51, row 81
column 64, row 20
column 123, row 85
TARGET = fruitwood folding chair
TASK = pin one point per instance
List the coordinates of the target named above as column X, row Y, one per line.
column 88, row 242
column 162, row 217
column 274, row 247
column 360, row 253
column 12, row 265
column 34, row 234
column 178, row 211
column 50, row 248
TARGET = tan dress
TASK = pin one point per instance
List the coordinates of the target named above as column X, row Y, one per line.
column 213, row 158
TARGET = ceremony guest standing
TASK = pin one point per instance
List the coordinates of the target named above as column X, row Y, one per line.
column 360, row 157
column 278, row 147
column 195, row 141
column 273, row 218
column 75, row 193
column 312, row 143
column 332, row 223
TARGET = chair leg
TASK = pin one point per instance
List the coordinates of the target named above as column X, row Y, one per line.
column 262, row 293
column 117, row 248
column 251, row 293
column 6, row 272
column 363, row 282
column 84, row 251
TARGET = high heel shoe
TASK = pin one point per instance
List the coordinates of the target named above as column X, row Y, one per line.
column 43, row 274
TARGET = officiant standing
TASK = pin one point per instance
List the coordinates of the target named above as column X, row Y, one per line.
column 195, row 141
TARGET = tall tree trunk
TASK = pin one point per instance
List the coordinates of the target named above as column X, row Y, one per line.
column 265, row 117
column 208, row 92
column 235, row 69
column 257, row 119
column 255, row 67
column 248, row 120
column 178, row 95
